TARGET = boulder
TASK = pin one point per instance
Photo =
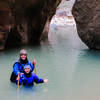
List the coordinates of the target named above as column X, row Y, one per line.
column 87, row 17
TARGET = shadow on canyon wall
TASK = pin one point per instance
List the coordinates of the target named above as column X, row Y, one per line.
column 25, row 22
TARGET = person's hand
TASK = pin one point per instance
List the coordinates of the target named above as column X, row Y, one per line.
column 46, row 80
column 17, row 78
column 21, row 73
column 34, row 62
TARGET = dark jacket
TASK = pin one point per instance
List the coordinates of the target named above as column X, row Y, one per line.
column 29, row 80
column 19, row 68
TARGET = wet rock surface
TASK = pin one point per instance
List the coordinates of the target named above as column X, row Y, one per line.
column 87, row 16
column 29, row 19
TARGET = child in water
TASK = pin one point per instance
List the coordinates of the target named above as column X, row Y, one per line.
column 28, row 78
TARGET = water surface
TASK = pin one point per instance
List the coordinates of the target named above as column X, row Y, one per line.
column 72, row 69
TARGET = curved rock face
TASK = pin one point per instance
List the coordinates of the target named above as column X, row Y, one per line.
column 87, row 16
column 29, row 22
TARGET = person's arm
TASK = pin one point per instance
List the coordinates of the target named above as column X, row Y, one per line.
column 39, row 80
column 15, row 69
column 34, row 63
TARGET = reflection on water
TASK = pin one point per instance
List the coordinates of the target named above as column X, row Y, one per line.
column 86, row 79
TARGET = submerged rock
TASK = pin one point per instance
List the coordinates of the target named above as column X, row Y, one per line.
column 87, row 16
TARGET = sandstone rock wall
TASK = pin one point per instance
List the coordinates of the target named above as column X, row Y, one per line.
column 87, row 16
column 5, row 15
column 28, row 20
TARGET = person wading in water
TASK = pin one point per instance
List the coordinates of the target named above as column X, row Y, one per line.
column 18, row 67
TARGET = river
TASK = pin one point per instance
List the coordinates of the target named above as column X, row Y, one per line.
column 72, row 69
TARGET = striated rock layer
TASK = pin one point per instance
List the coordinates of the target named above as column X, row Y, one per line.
column 87, row 16
column 25, row 22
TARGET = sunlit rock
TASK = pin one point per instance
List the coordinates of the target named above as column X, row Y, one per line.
column 63, row 16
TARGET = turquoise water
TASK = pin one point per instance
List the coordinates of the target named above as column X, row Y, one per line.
column 72, row 69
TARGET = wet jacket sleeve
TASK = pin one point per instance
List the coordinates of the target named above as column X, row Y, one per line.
column 15, row 69
column 38, row 80
column 32, row 66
